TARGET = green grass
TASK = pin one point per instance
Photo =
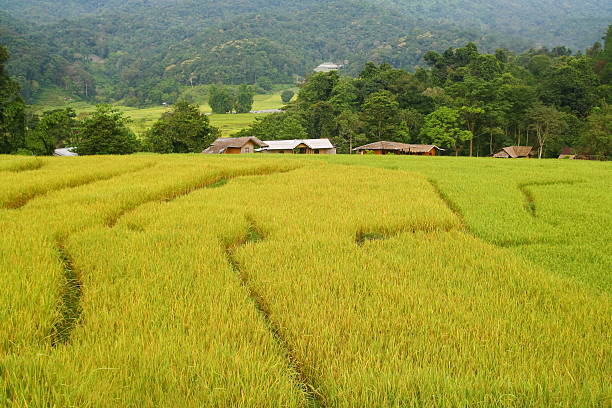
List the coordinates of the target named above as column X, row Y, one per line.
column 298, row 281
column 143, row 118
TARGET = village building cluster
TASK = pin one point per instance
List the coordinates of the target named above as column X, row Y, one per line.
column 243, row 145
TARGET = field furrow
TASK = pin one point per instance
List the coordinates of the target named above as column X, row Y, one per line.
column 254, row 235
column 70, row 305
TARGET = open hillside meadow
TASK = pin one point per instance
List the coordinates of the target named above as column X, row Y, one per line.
column 141, row 119
column 338, row 281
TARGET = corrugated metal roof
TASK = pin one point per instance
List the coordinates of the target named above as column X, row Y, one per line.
column 292, row 144
column 65, row 152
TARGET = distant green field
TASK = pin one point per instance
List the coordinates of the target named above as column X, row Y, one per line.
column 142, row 119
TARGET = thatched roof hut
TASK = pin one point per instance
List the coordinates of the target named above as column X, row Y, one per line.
column 514, row 152
column 385, row 147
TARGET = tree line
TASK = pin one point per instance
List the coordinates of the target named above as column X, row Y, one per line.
column 465, row 101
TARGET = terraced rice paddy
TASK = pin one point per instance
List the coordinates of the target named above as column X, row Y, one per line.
column 341, row 281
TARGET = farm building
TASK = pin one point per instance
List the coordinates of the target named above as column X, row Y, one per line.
column 234, row 145
column 299, row 146
column 328, row 67
column 399, row 148
column 567, row 153
column 65, row 152
column 514, row 152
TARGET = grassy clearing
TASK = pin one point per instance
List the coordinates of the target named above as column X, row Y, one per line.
column 274, row 281
column 143, row 118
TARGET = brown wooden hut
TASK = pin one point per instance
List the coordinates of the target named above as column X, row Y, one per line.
column 514, row 152
column 385, row 147
column 235, row 145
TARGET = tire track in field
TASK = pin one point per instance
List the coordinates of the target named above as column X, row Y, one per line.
column 454, row 208
column 529, row 203
column 216, row 182
column 69, row 307
column 305, row 382
column 363, row 236
column 22, row 201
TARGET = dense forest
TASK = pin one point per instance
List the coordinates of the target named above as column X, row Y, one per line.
column 140, row 52
column 466, row 102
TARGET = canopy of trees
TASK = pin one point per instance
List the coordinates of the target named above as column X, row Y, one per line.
column 468, row 102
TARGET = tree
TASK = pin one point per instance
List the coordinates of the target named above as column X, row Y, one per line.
column 105, row 131
column 472, row 117
column 54, row 129
column 276, row 126
column 220, row 99
column 319, row 87
column 12, row 111
column 547, row 123
column 597, row 139
column 287, row 95
column 244, row 99
column 443, row 128
column 380, row 116
column 265, row 83
column 344, row 95
column 183, row 130
column 349, row 135
column 572, row 86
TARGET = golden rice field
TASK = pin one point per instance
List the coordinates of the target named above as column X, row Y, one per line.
column 258, row 281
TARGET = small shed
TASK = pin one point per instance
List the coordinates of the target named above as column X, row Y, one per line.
column 235, row 145
column 299, row 146
column 328, row 67
column 567, row 153
column 65, row 152
column 514, row 152
column 385, row 147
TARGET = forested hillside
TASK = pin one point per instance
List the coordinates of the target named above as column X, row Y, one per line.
column 142, row 51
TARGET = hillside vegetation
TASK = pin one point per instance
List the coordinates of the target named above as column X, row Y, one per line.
column 143, row 51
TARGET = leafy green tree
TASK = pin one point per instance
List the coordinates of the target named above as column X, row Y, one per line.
column 287, row 95
column 319, row 87
column 443, row 127
column 220, row 99
column 597, row 139
column 572, row 86
column 349, row 134
column 320, row 120
column 380, row 117
column 55, row 128
column 12, row 111
column 345, row 95
column 105, row 131
column 183, row 130
column 473, row 117
column 276, row 126
column 265, row 83
column 547, row 123
column 244, row 99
